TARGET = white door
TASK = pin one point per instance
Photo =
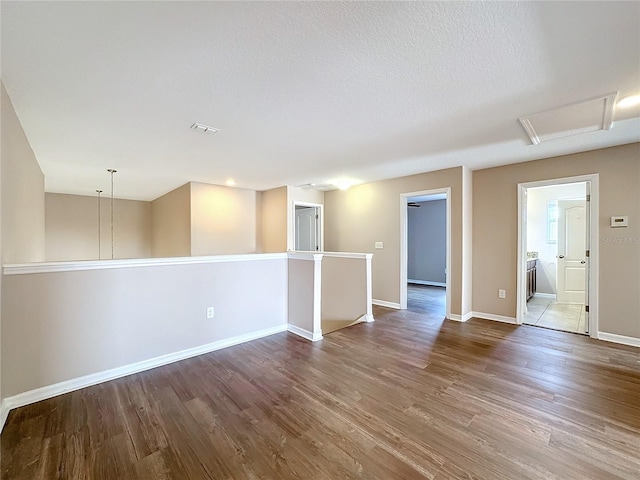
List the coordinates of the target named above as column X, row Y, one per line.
column 306, row 231
column 572, row 247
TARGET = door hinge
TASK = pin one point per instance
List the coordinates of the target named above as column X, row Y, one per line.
column 586, row 308
column 587, row 253
column 317, row 216
column 588, row 198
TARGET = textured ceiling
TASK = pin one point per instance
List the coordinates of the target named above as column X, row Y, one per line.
column 304, row 92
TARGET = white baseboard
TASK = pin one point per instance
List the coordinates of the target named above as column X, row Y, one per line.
column 304, row 333
column 460, row 318
column 67, row 386
column 384, row 303
column 495, row 318
column 545, row 295
column 4, row 413
column 615, row 338
column 427, row 282
column 365, row 318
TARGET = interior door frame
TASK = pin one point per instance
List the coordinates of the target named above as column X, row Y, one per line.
column 291, row 240
column 404, row 243
column 593, row 290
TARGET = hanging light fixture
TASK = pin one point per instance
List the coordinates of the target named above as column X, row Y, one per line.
column 99, row 224
column 111, row 171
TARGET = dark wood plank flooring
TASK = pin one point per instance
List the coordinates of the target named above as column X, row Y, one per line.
column 409, row 396
column 426, row 299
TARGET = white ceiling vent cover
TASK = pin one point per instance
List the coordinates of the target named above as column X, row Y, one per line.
column 574, row 119
column 204, row 128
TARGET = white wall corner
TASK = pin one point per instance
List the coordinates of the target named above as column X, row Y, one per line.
column 369, row 318
column 317, row 298
column 621, row 339
column 461, row 318
column 304, row 333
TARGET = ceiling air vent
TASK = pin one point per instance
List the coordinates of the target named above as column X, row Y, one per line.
column 204, row 128
column 322, row 187
column 574, row 119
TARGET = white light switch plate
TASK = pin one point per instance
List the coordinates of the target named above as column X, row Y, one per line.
column 379, row 245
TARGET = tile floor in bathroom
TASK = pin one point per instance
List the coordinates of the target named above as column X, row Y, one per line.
column 545, row 312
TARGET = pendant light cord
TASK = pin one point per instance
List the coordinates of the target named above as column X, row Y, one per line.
column 111, row 171
column 99, row 225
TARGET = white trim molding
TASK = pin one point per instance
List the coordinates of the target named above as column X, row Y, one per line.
column 317, row 299
column 362, row 256
column 366, row 318
column 51, row 267
column 304, row 333
column 545, row 295
column 495, row 318
column 291, row 221
column 621, row 339
column 404, row 245
column 67, row 386
column 427, row 282
column 369, row 314
column 384, row 303
column 592, row 180
column 460, row 318
column 4, row 413
column 304, row 255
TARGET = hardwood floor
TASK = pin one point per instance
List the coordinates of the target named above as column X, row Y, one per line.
column 407, row 397
column 426, row 299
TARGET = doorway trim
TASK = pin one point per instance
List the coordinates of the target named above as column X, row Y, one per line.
column 404, row 243
column 291, row 237
column 593, row 235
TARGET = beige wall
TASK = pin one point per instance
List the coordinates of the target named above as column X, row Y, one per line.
column 301, row 298
column 223, row 220
column 307, row 195
column 495, row 232
column 356, row 218
column 2, row 107
column 22, row 192
column 274, row 220
column 63, row 325
column 344, row 288
column 171, row 223
column 71, row 228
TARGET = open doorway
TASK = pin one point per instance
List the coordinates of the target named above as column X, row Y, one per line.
column 555, row 255
column 307, row 227
column 424, row 251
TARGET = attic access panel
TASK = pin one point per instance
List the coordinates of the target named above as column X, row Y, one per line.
column 574, row 119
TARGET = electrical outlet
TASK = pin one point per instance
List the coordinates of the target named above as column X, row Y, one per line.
column 502, row 294
column 379, row 245
column 210, row 312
